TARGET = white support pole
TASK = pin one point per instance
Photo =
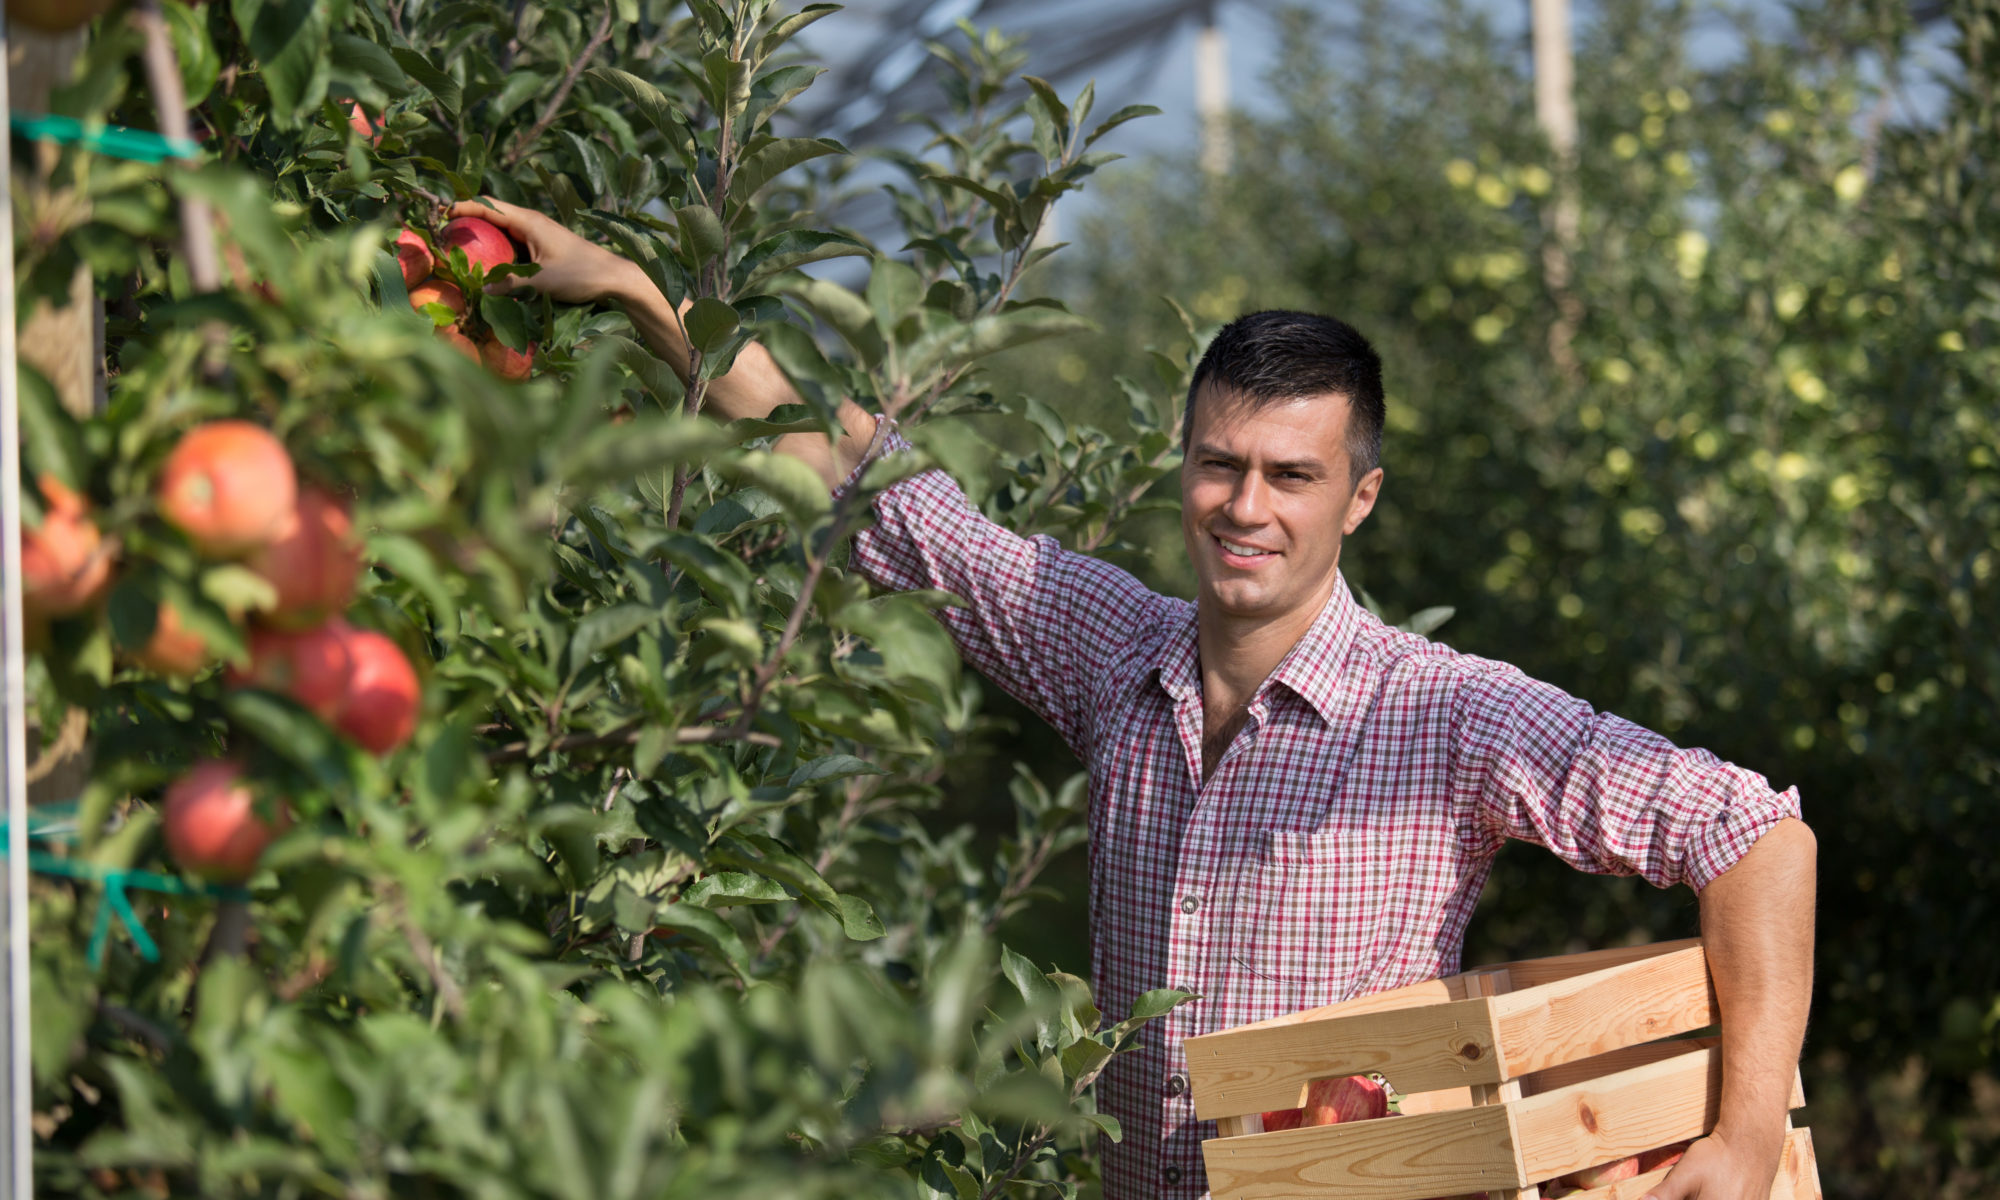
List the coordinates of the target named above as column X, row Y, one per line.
column 1211, row 96
column 17, row 1168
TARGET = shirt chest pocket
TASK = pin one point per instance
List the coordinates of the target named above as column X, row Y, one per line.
column 1305, row 913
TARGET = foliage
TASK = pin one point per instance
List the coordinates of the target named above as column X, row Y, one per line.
column 651, row 905
column 1759, row 514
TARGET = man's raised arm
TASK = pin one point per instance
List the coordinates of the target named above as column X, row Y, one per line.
column 576, row 271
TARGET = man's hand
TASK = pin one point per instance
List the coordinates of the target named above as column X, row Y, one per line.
column 573, row 271
column 1716, row 1169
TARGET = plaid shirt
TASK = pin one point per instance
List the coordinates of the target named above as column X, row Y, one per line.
column 1345, row 834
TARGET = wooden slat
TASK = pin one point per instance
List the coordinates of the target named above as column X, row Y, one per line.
column 1598, row 1066
column 1797, row 1178
column 1610, row 1063
column 1396, row 1158
column 1240, row 1126
column 1260, row 1067
column 1438, row 1100
column 1600, row 1120
column 1497, row 983
column 1534, row 972
column 1430, row 991
column 1605, row 1010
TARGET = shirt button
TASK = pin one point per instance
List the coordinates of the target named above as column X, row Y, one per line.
column 1190, row 903
column 1176, row 1084
column 1172, row 1174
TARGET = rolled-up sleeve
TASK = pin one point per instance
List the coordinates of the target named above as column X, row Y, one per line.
column 1038, row 620
column 1530, row 761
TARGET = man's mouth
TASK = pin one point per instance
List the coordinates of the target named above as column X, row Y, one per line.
column 1240, row 550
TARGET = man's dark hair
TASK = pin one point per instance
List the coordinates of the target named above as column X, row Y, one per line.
column 1274, row 356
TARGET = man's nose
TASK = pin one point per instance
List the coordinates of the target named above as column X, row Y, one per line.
column 1249, row 503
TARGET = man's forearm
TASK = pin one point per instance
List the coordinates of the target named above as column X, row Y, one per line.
column 1757, row 925
column 754, row 386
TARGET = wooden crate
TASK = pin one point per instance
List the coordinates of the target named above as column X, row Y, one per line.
column 1512, row 1075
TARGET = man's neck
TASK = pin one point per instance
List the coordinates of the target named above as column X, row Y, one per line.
column 1238, row 653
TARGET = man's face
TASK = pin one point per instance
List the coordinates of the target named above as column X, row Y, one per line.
column 1266, row 496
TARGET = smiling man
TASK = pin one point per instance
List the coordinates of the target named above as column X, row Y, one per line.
column 1292, row 804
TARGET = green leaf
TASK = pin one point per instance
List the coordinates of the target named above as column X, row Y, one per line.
column 724, row 888
column 832, row 766
column 784, row 29
column 1041, row 995
column 442, row 87
column 193, row 50
column 710, row 323
column 288, row 38
column 774, row 158
column 1423, row 623
column 604, row 628
column 793, row 248
column 704, row 927
column 1051, row 117
column 650, row 101
column 51, row 440
column 858, row 920
column 1083, row 1058
column 614, row 453
column 1130, row 112
column 701, row 233
column 788, row 480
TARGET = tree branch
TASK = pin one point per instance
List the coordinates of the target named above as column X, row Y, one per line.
column 629, row 733
column 533, row 133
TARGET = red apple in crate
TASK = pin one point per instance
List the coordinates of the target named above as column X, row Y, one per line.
column 314, row 668
column 414, row 256
column 1340, row 1101
column 1284, row 1118
column 1665, row 1156
column 312, row 563
column 380, row 707
column 210, row 820
column 1603, row 1175
column 484, row 244
column 229, row 486
column 65, row 565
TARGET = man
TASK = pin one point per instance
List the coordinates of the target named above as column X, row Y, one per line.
column 1292, row 804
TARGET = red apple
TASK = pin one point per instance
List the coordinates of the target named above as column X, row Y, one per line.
column 414, row 255
column 437, row 291
column 358, row 118
column 463, row 344
column 210, row 820
column 505, row 362
column 65, row 565
column 1339, row 1101
column 174, row 649
column 312, row 563
column 229, row 486
column 1665, row 1156
column 1602, row 1175
column 1284, row 1118
column 483, row 242
column 314, row 668
column 380, row 707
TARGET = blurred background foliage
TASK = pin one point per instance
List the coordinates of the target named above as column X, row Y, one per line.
column 1760, row 514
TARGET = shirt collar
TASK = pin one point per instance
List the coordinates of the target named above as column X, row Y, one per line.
column 1311, row 669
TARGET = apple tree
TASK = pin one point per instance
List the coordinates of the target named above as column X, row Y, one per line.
column 498, row 785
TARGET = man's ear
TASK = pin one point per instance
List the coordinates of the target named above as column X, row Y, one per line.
column 1363, row 502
